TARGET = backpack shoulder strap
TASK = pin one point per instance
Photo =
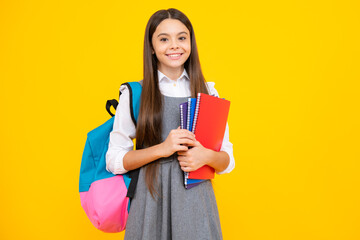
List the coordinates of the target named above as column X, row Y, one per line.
column 135, row 95
column 135, row 89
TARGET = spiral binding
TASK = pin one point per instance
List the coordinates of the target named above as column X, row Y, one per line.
column 186, row 175
column 181, row 116
column 196, row 112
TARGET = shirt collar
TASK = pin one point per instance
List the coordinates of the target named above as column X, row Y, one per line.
column 162, row 76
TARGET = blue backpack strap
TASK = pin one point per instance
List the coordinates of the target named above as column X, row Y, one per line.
column 135, row 89
column 135, row 95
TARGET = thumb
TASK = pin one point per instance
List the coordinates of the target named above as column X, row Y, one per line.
column 178, row 127
column 197, row 143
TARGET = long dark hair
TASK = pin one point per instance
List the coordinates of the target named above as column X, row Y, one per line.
column 150, row 114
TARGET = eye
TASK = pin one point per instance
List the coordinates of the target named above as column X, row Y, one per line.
column 182, row 38
column 163, row 39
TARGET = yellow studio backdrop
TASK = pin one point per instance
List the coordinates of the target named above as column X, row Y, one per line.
column 289, row 68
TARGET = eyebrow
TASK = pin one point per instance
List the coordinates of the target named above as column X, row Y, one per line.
column 168, row 34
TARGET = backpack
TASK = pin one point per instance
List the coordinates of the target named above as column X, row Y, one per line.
column 104, row 196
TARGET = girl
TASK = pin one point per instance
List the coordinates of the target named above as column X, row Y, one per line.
column 162, row 208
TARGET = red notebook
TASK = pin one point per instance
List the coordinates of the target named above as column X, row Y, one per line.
column 209, row 128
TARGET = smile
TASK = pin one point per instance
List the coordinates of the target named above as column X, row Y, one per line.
column 174, row 56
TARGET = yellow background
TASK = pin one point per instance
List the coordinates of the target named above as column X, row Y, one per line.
column 289, row 68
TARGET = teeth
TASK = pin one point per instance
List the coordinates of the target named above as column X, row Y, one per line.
column 174, row 55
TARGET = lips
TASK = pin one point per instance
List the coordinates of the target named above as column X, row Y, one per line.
column 174, row 56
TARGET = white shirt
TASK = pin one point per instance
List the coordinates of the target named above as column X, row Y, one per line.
column 124, row 131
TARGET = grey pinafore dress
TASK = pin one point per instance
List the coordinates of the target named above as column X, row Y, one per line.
column 179, row 213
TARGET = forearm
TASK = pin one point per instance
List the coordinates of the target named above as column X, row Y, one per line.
column 138, row 158
column 218, row 160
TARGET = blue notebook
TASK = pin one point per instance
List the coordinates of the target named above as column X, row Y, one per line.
column 186, row 122
column 191, row 113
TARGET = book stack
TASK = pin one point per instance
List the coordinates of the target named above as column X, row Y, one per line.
column 206, row 117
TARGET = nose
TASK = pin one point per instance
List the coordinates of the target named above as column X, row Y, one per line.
column 174, row 45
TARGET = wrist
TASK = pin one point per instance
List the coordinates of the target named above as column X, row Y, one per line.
column 210, row 157
column 219, row 160
column 158, row 150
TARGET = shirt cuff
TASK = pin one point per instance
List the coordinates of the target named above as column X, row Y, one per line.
column 230, row 166
column 118, row 165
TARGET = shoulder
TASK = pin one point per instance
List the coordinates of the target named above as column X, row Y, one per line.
column 124, row 88
column 211, row 88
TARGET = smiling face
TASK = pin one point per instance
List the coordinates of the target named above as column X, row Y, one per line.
column 171, row 43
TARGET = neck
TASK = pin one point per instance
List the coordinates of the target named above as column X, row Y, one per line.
column 173, row 74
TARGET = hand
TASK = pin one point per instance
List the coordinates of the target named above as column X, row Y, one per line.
column 194, row 158
column 177, row 140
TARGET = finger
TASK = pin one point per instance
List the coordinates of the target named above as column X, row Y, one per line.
column 182, row 135
column 180, row 148
column 191, row 144
column 188, row 132
column 184, row 131
column 185, row 169
column 182, row 162
column 186, row 141
column 186, row 135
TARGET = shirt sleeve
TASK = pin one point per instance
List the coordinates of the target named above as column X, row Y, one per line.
column 226, row 146
column 122, row 135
